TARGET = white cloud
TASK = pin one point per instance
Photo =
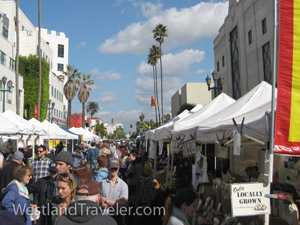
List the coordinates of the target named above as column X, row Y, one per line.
column 200, row 71
column 184, row 26
column 107, row 97
column 144, row 90
column 108, row 75
column 81, row 45
column 174, row 65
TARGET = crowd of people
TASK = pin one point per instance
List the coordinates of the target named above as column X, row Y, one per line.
column 98, row 183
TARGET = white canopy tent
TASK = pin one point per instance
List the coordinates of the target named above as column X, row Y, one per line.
column 9, row 128
column 215, row 106
column 243, row 107
column 164, row 131
column 22, row 123
column 87, row 135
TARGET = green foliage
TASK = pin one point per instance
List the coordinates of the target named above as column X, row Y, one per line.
column 29, row 68
column 101, row 130
column 119, row 133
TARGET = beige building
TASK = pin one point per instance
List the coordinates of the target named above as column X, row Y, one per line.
column 191, row 93
column 243, row 47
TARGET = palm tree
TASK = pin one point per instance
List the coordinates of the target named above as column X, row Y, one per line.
column 40, row 61
column 142, row 117
column 70, row 89
column 92, row 108
column 159, row 33
column 153, row 56
column 84, row 92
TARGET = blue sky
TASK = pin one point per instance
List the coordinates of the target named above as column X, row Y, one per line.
column 110, row 40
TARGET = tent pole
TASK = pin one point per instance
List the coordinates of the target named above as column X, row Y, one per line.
column 168, row 161
column 172, row 168
column 270, row 151
column 155, row 160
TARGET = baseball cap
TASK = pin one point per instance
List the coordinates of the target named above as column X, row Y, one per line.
column 65, row 157
column 113, row 163
column 79, row 147
column 52, row 167
column 91, row 186
column 18, row 156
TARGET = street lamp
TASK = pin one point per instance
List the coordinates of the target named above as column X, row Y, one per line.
column 49, row 107
column 9, row 85
column 218, row 82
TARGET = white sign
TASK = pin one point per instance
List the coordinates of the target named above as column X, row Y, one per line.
column 249, row 199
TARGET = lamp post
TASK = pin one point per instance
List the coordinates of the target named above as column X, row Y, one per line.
column 9, row 85
column 50, row 106
column 218, row 82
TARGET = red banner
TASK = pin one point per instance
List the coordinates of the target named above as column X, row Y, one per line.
column 287, row 128
column 153, row 101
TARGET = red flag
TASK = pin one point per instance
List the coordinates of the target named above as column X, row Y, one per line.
column 153, row 102
column 36, row 112
column 287, row 132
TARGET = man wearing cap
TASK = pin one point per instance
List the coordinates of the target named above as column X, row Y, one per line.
column 64, row 162
column 77, row 155
column 40, row 165
column 114, row 191
column 253, row 174
column 86, row 210
column 45, row 188
column 7, row 173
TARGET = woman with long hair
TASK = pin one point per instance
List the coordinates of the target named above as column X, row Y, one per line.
column 180, row 207
column 66, row 189
column 16, row 196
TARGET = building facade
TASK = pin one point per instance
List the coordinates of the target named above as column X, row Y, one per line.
column 7, row 58
column 190, row 93
column 243, row 47
column 59, row 44
column 54, row 49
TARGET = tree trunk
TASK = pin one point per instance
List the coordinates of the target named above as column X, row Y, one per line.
column 158, row 109
column 40, row 62
column 161, row 83
column 154, row 94
column 69, row 114
column 17, row 59
column 83, row 116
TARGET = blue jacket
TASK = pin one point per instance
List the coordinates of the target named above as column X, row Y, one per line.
column 93, row 154
column 76, row 159
column 101, row 174
column 16, row 203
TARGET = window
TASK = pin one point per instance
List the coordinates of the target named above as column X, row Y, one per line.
column 5, row 25
column 57, row 94
column 267, row 63
column 9, row 95
column 250, row 37
column 223, row 60
column 218, row 67
column 264, row 26
column 235, row 64
column 47, row 42
column 23, row 28
column 60, row 67
column 52, row 91
column 11, row 64
column 3, row 58
column 60, row 51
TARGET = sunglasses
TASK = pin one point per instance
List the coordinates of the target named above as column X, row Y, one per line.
column 39, row 151
column 64, row 177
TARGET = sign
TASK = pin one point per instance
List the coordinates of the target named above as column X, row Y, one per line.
column 248, row 199
column 287, row 132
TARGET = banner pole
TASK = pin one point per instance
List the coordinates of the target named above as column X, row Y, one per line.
column 270, row 151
